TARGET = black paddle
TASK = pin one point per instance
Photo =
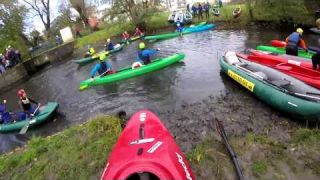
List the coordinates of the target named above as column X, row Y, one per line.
column 222, row 133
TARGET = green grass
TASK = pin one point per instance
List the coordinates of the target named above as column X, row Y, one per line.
column 259, row 168
column 111, row 30
column 78, row 152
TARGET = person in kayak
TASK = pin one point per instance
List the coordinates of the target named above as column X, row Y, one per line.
column 294, row 40
column 316, row 58
column 104, row 67
column 125, row 36
column 5, row 116
column 144, row 54
column 109, row 45
column 138, row 32
column 26, row 106
column 90, row 51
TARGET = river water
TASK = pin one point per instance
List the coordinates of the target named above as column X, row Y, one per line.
column 186, row 96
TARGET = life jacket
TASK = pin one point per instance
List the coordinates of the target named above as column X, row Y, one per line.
column 92, row 51
column 294, row 38
column 145, row 59
column 103, row 67
column 26, row 105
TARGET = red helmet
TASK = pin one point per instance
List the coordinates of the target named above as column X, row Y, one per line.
column 21, row 93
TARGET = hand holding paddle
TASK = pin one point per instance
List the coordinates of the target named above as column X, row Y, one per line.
column 83, row 87
column 26, row 126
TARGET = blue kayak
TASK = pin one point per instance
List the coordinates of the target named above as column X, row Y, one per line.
column 192, row 29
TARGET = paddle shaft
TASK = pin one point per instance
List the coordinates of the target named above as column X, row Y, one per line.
column 233, row 155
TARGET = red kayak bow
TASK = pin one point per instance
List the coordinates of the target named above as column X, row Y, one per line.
column 146, row 150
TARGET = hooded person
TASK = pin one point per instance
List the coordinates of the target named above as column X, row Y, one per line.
column 5, row 116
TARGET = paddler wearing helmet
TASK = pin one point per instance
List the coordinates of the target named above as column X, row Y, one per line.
column 26, row 105
column 294, row 41
column 109, row 45
column 90, row 51
column 179, row 28
column 144, row 53
column 104, row 66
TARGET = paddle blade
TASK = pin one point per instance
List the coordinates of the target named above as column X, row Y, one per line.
column 83, row 87
column 24, row 129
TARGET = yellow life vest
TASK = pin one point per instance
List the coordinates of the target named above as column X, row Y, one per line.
column 92, row 51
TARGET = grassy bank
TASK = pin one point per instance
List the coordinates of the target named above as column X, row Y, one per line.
column 80, row 152
column 261, row 157
column 77, row 153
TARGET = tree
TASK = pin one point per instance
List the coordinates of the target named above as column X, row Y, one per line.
column 12, row 25
column 42, row 9
column 137, row 11
column 80, row 7
column 64, row 19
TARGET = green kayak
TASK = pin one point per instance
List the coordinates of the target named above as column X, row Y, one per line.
column 134, row 38
column 192, row 29
column 96, row 56
column 45, row 112
column 128, row 72
column 281, row 50
column 275, row 88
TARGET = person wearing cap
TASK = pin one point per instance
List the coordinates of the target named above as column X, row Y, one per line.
column 26, row 105
column 109, row 45
column 144, row 54
column 316, row 58
column 104, row 66
column 138, row 32
column 5, row 116
column 294, row 40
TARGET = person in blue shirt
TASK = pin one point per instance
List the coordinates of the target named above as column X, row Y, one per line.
column 5, row 116
column 109, row 45
column 179, row 28
column 194, row 10
column 104, row 67
column 144, row 54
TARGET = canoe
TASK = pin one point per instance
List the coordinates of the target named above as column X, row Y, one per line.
column 191, row 29
column 236, row 12
column 305, row 74
column 171, row 17
column 284, row 58
column 188, row 17
column 96, row 56
column 280, row 50
column 315, row 30
column 134, row 38
column 45, row 113
column 128, row 72
column 216, row 12
column 146, row 150
column 277, row 43
column 275, row 88
column 179, row 17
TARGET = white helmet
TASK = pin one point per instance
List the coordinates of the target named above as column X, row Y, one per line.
column 108, row 40
column 9, row 47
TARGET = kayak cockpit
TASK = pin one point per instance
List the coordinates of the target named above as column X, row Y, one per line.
column 143, row 176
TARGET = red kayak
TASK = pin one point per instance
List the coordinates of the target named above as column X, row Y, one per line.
column 277, row 43
column 305, row 74
column 146, row 150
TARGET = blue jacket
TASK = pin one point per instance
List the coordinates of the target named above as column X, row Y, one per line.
column 294, row 38
column 144, row 55
column 109, row 46
column 101, row 68
column 5, row 116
